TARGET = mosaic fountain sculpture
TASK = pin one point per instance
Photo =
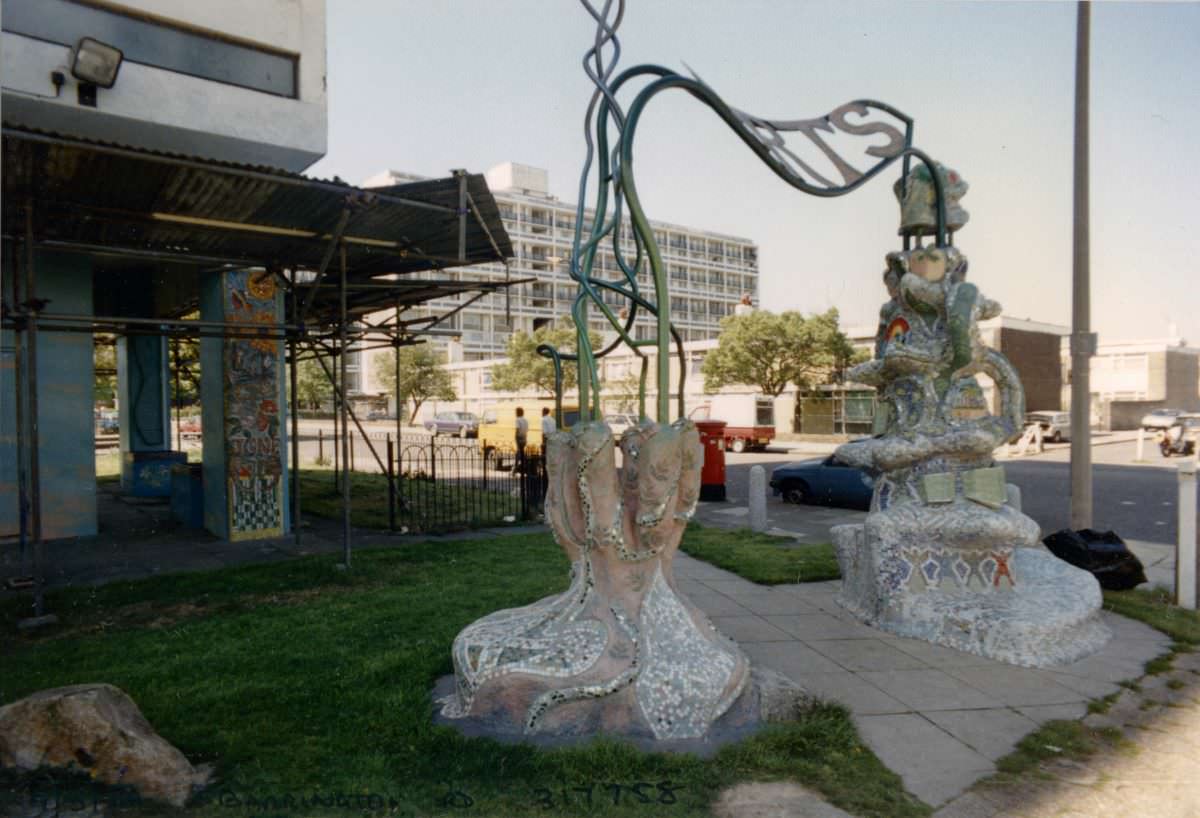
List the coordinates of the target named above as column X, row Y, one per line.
column 945, row 554
column 621, row 650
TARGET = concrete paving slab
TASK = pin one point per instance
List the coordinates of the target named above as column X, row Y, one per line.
column 732, row 587
column 936, row 655
column 715, row 604
column 992, row 733
column 934, row 765
column 1085, row 685
column 929, row 689
column 816, row 625
column 851, row 690
column 792, row 659
column 866, row 654
column 1042, row 713
column 775, row 603
column 1016, row 686
column 749, row 629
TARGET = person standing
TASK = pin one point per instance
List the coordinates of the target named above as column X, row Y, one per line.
column 522, row 435
column 549, row 427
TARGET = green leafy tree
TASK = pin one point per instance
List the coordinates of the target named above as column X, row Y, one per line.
column 104, row 363
column 526, row 368
column 770, row 350
column 421, row 375
column 312, row 384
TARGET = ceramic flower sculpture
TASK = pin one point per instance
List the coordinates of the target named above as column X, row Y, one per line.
column 945, row 554
column 620, row 651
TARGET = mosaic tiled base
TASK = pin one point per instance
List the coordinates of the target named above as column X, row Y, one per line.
column 620, row 651
column 1051, row 617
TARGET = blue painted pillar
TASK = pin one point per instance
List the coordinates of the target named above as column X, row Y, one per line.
column 65, row 384
column 242, row 402
column 144, row 407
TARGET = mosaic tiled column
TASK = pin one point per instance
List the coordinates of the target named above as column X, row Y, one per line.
column 243, row 399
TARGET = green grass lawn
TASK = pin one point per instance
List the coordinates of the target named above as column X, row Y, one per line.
column 760, row 557
column 294, row 678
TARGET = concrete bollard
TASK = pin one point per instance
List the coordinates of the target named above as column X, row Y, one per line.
column 758, row 498
column 1141, row 446
column 1185, row 553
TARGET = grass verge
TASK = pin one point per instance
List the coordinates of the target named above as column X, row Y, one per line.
column 296, row 679
column 1154, row 607
column 761, row 557
column 1055, row 739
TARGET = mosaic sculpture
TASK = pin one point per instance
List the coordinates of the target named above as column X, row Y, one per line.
column 945, row 554
column 621, row 650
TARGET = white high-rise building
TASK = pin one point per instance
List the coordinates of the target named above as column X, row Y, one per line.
column 709, row 272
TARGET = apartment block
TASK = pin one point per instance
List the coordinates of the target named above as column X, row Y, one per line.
column 709, row 272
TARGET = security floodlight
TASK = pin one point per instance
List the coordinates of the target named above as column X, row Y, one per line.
column 96, row 63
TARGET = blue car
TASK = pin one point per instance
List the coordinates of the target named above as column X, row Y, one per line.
column 825, row 482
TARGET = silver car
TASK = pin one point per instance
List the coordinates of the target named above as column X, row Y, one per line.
column 1160, row 418
column 1056, row 426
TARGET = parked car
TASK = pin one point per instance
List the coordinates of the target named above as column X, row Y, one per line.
column 377, row 414
column 1056, row 426
column 620, row 422
column 823, row 481
column 463, row 424
column 1160, row 418
column 189, row 427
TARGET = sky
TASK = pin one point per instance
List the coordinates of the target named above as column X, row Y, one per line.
column 425, row 87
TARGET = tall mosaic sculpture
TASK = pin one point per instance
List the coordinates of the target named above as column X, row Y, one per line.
column 622, row 650
column 945, row 554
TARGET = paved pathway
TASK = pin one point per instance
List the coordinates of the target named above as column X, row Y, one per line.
column 938, row 717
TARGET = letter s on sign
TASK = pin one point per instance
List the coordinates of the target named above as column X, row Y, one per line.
column 896, row 139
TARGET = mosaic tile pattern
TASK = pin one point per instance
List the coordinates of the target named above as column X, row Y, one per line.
column 621, row 623
column 253, row 449
column 943, row 556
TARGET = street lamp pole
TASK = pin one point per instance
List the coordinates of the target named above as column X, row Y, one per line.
column 1082, row 341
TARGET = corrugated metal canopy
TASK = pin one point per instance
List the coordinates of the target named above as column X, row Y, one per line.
column 113, row 200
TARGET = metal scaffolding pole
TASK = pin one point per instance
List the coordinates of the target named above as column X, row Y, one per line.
column 1082, row 340
column 345, row 432
column 294, row 405
column 20, row 367
column 35, row 482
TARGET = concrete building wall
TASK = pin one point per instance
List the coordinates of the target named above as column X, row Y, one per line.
column 185, row 61
column 65, row 379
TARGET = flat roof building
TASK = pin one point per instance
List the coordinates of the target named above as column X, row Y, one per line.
column 709, row 271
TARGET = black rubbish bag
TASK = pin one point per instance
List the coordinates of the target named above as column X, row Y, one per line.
column 1102, row 553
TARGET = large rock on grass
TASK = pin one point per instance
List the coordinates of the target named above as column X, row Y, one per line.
column 97, row 729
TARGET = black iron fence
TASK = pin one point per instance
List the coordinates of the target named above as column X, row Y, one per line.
column 440, row 484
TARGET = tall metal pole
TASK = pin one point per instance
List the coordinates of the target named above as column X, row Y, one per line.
column 345, row 421
column 35, row 481
column 1082, row 341
column 294, row 405
column 21, row 366
column 396, row 363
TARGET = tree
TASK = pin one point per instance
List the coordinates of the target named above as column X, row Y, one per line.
column 770, row 350
column 526, row 368
column 421, row 375
column 312, row 384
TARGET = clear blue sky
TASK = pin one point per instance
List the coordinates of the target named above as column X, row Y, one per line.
column 429, row 86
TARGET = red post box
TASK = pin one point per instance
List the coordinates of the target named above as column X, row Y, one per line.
column 712, row 475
